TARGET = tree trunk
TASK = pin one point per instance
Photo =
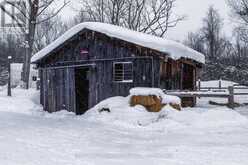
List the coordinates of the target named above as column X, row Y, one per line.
column 30, row 39
column 26, row 68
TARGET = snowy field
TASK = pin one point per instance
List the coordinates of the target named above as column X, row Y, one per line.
column 205, row 135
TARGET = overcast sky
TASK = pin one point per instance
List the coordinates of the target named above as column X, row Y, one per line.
column 195, row 10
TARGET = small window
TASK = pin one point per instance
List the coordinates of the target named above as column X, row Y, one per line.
column 123, row 72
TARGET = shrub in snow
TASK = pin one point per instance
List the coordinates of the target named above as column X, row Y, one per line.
column 153, row 99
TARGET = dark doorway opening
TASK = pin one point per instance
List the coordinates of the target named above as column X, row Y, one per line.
column 188, row 77
column 82, row 89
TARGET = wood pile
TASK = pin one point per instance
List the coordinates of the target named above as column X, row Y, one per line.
column 152, row 103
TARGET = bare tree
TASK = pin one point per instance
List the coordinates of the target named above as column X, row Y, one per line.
column 240, row 16
column 196, row 41
column 212, row 26
column 148, row 16
column 30, row 14
column 210, row 41
column 48, row 31
column 239, row 9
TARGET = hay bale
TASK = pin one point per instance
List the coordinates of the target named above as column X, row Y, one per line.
column 151, row 103
column 142, row 100
column 157, row 106
column 153, row 99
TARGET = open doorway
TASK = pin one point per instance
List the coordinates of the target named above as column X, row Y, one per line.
column 81, row 90
column 188, row 77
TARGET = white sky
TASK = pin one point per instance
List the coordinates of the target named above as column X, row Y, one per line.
column 195, row 10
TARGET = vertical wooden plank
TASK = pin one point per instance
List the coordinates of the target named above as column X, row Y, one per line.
column 41, row 87
column 93, row 89
column 57, row 90
column 61, row 89
column 67, row 89
column 49, row 91
column 72, row 93
column 181, row 77
column 54, row 87
column 45, row 86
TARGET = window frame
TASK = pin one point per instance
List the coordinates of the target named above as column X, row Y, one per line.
column 123, row 74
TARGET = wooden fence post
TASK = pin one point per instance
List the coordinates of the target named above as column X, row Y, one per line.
column 231, row 97
column 199, row 84
column 220, row 84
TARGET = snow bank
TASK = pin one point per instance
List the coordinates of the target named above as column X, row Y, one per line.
column 215, row 83
column 166, row 99
column 174, row 49
column 121, row 114
column 22, row 101
column 208, row 118
column 205, row 136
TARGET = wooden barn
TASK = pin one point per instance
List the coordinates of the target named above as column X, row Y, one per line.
column 94, row 61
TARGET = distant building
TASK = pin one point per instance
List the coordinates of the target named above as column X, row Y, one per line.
column 94, row 61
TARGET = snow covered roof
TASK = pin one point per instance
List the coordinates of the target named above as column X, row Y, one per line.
column 174, row 49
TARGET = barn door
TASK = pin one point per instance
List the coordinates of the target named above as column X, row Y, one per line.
column 188, row 77
column 82, row 90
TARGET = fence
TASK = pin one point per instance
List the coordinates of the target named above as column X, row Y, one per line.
column 215, row 92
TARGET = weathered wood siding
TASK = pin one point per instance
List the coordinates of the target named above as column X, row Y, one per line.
column 57, row 91
column 58, row 81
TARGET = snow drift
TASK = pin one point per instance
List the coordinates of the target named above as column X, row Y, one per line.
column 30, row 136
column 167, row 119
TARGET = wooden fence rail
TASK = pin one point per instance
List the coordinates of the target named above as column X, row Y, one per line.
column 228, row 93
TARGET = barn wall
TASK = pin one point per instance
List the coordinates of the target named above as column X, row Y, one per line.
column 103, row 86
column 57, row 91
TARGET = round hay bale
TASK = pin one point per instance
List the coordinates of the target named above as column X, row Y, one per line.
column 151, row 103
column 142, row 100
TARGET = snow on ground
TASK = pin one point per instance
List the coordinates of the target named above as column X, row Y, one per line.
column 205, row 135
column 215, row 83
